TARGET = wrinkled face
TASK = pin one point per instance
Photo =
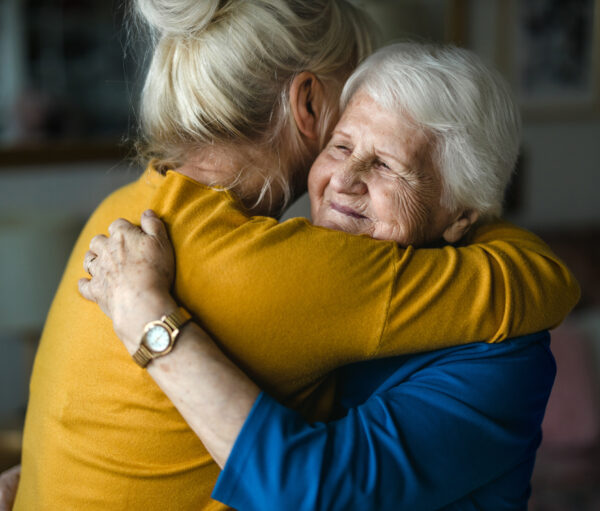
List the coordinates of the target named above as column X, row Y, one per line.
column 376, row 177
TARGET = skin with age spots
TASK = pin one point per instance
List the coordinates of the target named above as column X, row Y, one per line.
column 152, row 253
column 376, row 177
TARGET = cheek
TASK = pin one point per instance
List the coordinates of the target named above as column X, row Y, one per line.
column 414, row 211
column 318, row 178
column 407, row 208
column 317, row 182
column 313, row 186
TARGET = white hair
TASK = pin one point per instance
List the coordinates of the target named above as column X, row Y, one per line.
column 467, row 107
column 221, row 72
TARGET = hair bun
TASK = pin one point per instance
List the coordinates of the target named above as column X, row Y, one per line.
column 178, row 17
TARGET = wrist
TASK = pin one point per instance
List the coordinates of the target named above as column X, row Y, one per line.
column 160, row 336
column 130, row 326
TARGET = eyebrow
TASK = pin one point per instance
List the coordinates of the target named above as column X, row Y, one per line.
column 392, row 157
column 340, row 132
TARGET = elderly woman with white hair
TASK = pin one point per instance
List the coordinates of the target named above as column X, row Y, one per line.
column 239, row 99
column 424, row 149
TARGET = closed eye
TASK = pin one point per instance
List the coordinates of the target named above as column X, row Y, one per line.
column 343, row 148
column 381, row 164
column 398, row 174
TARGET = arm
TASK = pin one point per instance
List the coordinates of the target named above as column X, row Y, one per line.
column 462, row 426
column 480, row 407
column 298, row 285
column 213, row 395
column 222, row 397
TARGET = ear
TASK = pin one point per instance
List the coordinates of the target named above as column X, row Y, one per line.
column 461, row 225
column 307, row 102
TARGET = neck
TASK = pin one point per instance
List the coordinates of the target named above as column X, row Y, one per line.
column 236, row 169
column 212, row 166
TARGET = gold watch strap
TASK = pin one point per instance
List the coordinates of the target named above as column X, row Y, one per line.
column 142, row 356
column 173, row 322
column 177, row 318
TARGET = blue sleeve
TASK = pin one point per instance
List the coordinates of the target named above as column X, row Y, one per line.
column 452, row 427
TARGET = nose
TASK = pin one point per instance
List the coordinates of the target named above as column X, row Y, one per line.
column 349, row 178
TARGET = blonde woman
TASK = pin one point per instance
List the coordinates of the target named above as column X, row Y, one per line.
column 242, row 95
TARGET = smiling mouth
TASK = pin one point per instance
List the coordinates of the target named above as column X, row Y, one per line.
column 346, row 210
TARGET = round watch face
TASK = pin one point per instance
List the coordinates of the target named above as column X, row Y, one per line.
column 158, row 338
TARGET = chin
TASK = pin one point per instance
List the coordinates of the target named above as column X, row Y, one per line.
column 329, row 224
column 340, row 226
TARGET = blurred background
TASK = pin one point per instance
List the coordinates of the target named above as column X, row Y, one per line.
column 72, row 70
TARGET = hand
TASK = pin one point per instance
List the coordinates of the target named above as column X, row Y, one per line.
column 131, row 274
column 9, row 482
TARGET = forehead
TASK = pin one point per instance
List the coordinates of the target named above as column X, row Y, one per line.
column 390, row 131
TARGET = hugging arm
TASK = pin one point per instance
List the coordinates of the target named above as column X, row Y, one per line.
column 138, row 262
column 213, row 395
column 456, row 421
column 339, row 295
column 457, row 427
column 365, row 297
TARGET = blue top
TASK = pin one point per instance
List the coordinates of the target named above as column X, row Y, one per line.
column 455, row 429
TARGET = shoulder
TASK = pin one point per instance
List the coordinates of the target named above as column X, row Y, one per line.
column 510, row 380
column 510, row 360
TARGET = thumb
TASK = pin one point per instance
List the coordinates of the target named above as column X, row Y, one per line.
column 153, row 225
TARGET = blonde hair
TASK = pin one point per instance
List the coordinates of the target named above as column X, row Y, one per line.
column 221, row 72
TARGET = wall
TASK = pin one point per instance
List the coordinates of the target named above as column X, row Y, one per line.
column 562, row 174
column 561, row 169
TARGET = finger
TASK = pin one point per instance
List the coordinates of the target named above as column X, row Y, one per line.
column 153, row 225
column 88, row 259
column 120, row 224
column 9, row 481
column 97, row 243
column 12, row 474
column 85, row 289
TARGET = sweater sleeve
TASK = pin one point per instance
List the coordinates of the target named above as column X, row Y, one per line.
column 290, row 301
column 506, row 282
column 464, row 426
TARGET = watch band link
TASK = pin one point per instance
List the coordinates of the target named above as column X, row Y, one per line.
column 142, row 356
column 177, row 318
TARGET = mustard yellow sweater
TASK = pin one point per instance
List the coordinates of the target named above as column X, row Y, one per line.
column 288, row 301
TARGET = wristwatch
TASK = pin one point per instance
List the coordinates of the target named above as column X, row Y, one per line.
column 160, row 336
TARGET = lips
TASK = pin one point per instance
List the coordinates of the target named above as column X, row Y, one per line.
column 345, row 210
